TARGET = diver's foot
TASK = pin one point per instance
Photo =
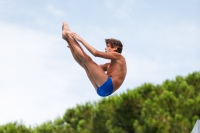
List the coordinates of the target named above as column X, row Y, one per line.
column 65, row 29
column 64, row 38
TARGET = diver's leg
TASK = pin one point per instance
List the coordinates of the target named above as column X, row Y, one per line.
column 90, row 77
column 81, row 64
column 73, row 54
column 71, row 41
column 95, row 70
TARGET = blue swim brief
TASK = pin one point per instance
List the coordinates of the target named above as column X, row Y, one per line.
column 106, row 89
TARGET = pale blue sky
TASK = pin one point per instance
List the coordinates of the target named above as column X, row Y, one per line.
column 39, row 78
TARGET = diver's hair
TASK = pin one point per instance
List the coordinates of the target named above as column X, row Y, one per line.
column 115, row 43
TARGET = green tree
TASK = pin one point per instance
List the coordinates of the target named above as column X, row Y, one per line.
column 14, row 128
column 171, row 107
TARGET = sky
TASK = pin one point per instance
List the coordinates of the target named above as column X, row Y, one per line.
column 39, row 79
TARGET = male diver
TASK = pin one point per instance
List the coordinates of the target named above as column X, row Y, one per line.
column 105, row 78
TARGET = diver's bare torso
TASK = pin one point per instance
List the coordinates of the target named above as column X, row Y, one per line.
column 116, row 69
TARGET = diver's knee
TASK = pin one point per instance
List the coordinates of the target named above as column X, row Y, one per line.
column 87, row 59
column 83, row 65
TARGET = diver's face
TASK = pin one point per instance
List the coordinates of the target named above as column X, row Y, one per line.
column 109, row 48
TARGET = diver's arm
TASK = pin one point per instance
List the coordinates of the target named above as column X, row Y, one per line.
column 91, row 49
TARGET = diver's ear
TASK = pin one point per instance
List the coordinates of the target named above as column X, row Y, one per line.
column 115, row 48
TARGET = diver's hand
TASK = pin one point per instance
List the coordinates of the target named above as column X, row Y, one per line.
column 76, row 36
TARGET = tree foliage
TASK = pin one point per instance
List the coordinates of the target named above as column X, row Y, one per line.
column 171, row 107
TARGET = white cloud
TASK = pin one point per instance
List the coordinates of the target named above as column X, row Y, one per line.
column 56, row 12
column 39, row 75
column 36, row 85
column 4, row 5
column 122, row 10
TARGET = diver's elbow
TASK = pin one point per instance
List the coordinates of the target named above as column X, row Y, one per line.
column 95, row 53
